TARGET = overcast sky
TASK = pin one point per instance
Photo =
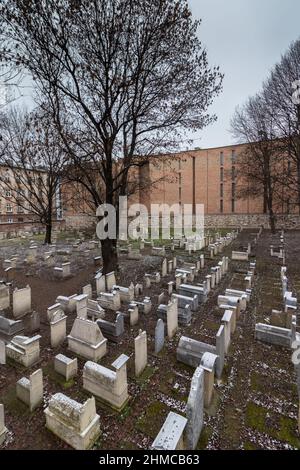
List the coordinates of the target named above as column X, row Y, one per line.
column 246, row 38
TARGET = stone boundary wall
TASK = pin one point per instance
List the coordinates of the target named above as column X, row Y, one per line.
column 18, row 229
column 250, row 220
column 210, row 221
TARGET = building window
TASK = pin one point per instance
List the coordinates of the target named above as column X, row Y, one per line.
column 20, row 210
column 233, row 173
column 10, row 220
column 221, row 190
column 221, row 174
column 233, row 157
column 9, row 208
column 233, row 190
column 221, row 158
column 288, row 206
column 221, row 206
column 232, row 205
column 7, row 193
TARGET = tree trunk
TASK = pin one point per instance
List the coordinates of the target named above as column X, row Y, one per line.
column 272, row 219
column 109, row 255
column 48, row 234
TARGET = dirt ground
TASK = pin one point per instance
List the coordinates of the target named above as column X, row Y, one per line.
column 254, row 406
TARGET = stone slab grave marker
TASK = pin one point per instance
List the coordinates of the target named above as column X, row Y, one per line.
column 81, row 305
column 30, row 391
column 2, row 353
column 58, row 328
column 100, row 283
column 140, row 352
column 65, row 366
column 76, row 424
column 194, row 409
column 3, row 429
column 86, row 340
column 113, row 331
column 24, row 350
column 10, row 328
column 87, row 290
column 110, row 280
column 4, row 297
column 21, row 302
column 191, row 351
column 159, row 336
column 171, row 435
column 110, row 386
column 164, row 267
column 208, row 363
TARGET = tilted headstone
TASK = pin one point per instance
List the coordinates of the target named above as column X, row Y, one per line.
column 194, row 409
column 2, row 353
column 171, row 435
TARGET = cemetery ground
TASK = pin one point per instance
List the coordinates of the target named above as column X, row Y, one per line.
column 255, row 403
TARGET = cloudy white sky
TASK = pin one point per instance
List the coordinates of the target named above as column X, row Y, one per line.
column 246, row 38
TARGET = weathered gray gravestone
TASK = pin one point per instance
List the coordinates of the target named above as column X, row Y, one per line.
column 159, row 335
column 194, row 409
column 2, row 353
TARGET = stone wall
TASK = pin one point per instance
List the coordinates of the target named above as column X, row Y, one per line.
column 250, row 220
column 80, row 222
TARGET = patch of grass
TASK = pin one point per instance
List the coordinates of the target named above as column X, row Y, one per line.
column 145, row 376
column 256, row 417
column 287, row 432
column 57, row 378
column 248, row 445
column 125, row 413
column 204, row 437
column 152, row 419
column 284, row 428
column 211, row 325
column 15, row 406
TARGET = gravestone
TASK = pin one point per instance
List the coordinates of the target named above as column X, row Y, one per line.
column 194, row 409
column 65, row 366
column 159, row 336
column 2, row 353
column 170, row 437
column 76, row 424
column 30, row 391
column 21, row 302
column 140, row 352
column 87, row 290
column 110, row 386
column 100, row 283
column 86, row 340
column 172, row 318
column 110, row 279
column 24, row 350
column 58, row 328
column 3, row 429
column 4, row 297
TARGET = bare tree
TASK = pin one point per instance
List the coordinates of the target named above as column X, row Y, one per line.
column 283, row 103
column 124, row 78
column 34, row 164
column 259, row 165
